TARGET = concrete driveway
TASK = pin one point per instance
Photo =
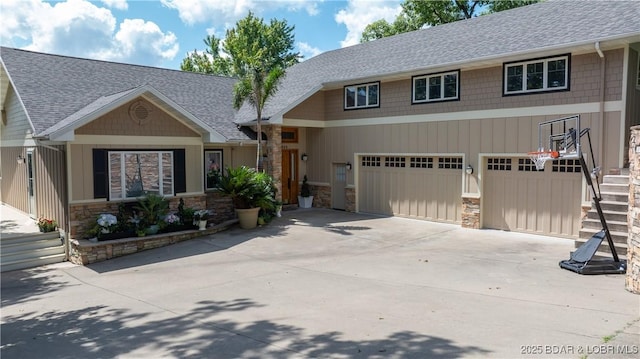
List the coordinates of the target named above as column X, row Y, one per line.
column 328, row 284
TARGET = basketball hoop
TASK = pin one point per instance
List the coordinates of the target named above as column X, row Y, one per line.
column 539, row 158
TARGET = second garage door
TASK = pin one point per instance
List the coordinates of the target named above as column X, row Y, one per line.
column 517, row 197
column 427, row 187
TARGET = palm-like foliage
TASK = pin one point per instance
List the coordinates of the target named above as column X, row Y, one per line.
column 248, row 188
column 255, row 52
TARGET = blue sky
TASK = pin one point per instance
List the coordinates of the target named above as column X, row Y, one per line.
column 161, row 32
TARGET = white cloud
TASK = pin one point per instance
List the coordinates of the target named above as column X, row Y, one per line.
column 229, row 11
column 138, row 40
column 116, row 4
column 80, row 28
column 307, row 50
column 360, row 13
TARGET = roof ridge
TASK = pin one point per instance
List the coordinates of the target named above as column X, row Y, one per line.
column 113, row 62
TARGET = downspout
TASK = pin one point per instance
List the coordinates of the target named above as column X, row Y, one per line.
column 601, row 137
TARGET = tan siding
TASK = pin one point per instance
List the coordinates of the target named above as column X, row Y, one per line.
column 82, row 167
column 537, row 202
column 118, row 122
column 17, row 122
column 310, row 109
column 433, row 194
column 479, row 90
column 14, row 178
column 471, row 137
column 51, row 193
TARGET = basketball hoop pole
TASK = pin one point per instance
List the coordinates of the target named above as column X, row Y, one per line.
column 564, row 143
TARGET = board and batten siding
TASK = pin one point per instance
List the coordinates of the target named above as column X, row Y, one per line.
column 51, row 187
column 13, row 187
column 469, row 137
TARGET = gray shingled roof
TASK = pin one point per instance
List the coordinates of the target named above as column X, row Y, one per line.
column 54, row 88
column 524, row 30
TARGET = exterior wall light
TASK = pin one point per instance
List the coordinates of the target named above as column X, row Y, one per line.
column 469, row 169
column 348, row 165
column 304, row 157
column 20, row 159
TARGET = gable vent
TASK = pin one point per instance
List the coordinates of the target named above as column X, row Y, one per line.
column 139, row 112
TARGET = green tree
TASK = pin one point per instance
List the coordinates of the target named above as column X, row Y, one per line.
column 416, row 14
column 257, row 53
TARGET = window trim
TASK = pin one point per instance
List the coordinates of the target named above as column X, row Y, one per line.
column 545, row 88
column 356, row 107
column 293, row 130
column 123, row 177
column 435, row 74
column 208, row 152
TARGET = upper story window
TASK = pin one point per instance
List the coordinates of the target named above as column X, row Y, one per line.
column 550, row 74
column 362, row 96
column 436, row 87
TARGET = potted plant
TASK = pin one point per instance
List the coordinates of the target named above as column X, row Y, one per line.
column 305, row 199
column 151, row 211
column 250, row 192
column 201, row 217
column 47, row 225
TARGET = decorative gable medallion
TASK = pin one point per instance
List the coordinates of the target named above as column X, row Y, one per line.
column 139, row 112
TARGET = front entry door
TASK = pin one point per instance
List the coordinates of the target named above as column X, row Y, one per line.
column 290, row 176
column 338, row 184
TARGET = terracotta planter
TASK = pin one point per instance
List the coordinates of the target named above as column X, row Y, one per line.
column 248, row 217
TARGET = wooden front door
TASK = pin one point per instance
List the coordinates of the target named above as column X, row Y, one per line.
column 290, row 176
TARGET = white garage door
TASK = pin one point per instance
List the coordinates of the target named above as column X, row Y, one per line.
column 517, row 197
column 426, row 187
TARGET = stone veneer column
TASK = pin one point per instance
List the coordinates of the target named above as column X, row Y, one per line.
column 274, row 156
column 471, row 212
column 632, row 282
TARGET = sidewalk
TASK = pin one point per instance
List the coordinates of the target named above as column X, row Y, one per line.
column 13, row 222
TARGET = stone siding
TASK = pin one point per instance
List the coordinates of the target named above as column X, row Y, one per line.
column 321, row 195
column 220, row 206
column 84, row 252
column 274, row 156
column 471, row 212
column 350, row 203
column 632, row 282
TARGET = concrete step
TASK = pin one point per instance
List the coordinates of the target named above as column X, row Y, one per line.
column 32, row 262
column 615, row 188
column 614, row 206
column 604, row 250
column 615, row 197
column 11, row 239
column 614, row 226
column 615, row 216
column 8, row 248
column 616, row 179
column 617, row 237
column 32, row 253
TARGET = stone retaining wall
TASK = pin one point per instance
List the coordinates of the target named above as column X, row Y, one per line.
column 632, row 282
column 84, row 252
column 220, row 206
column 83, row 215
